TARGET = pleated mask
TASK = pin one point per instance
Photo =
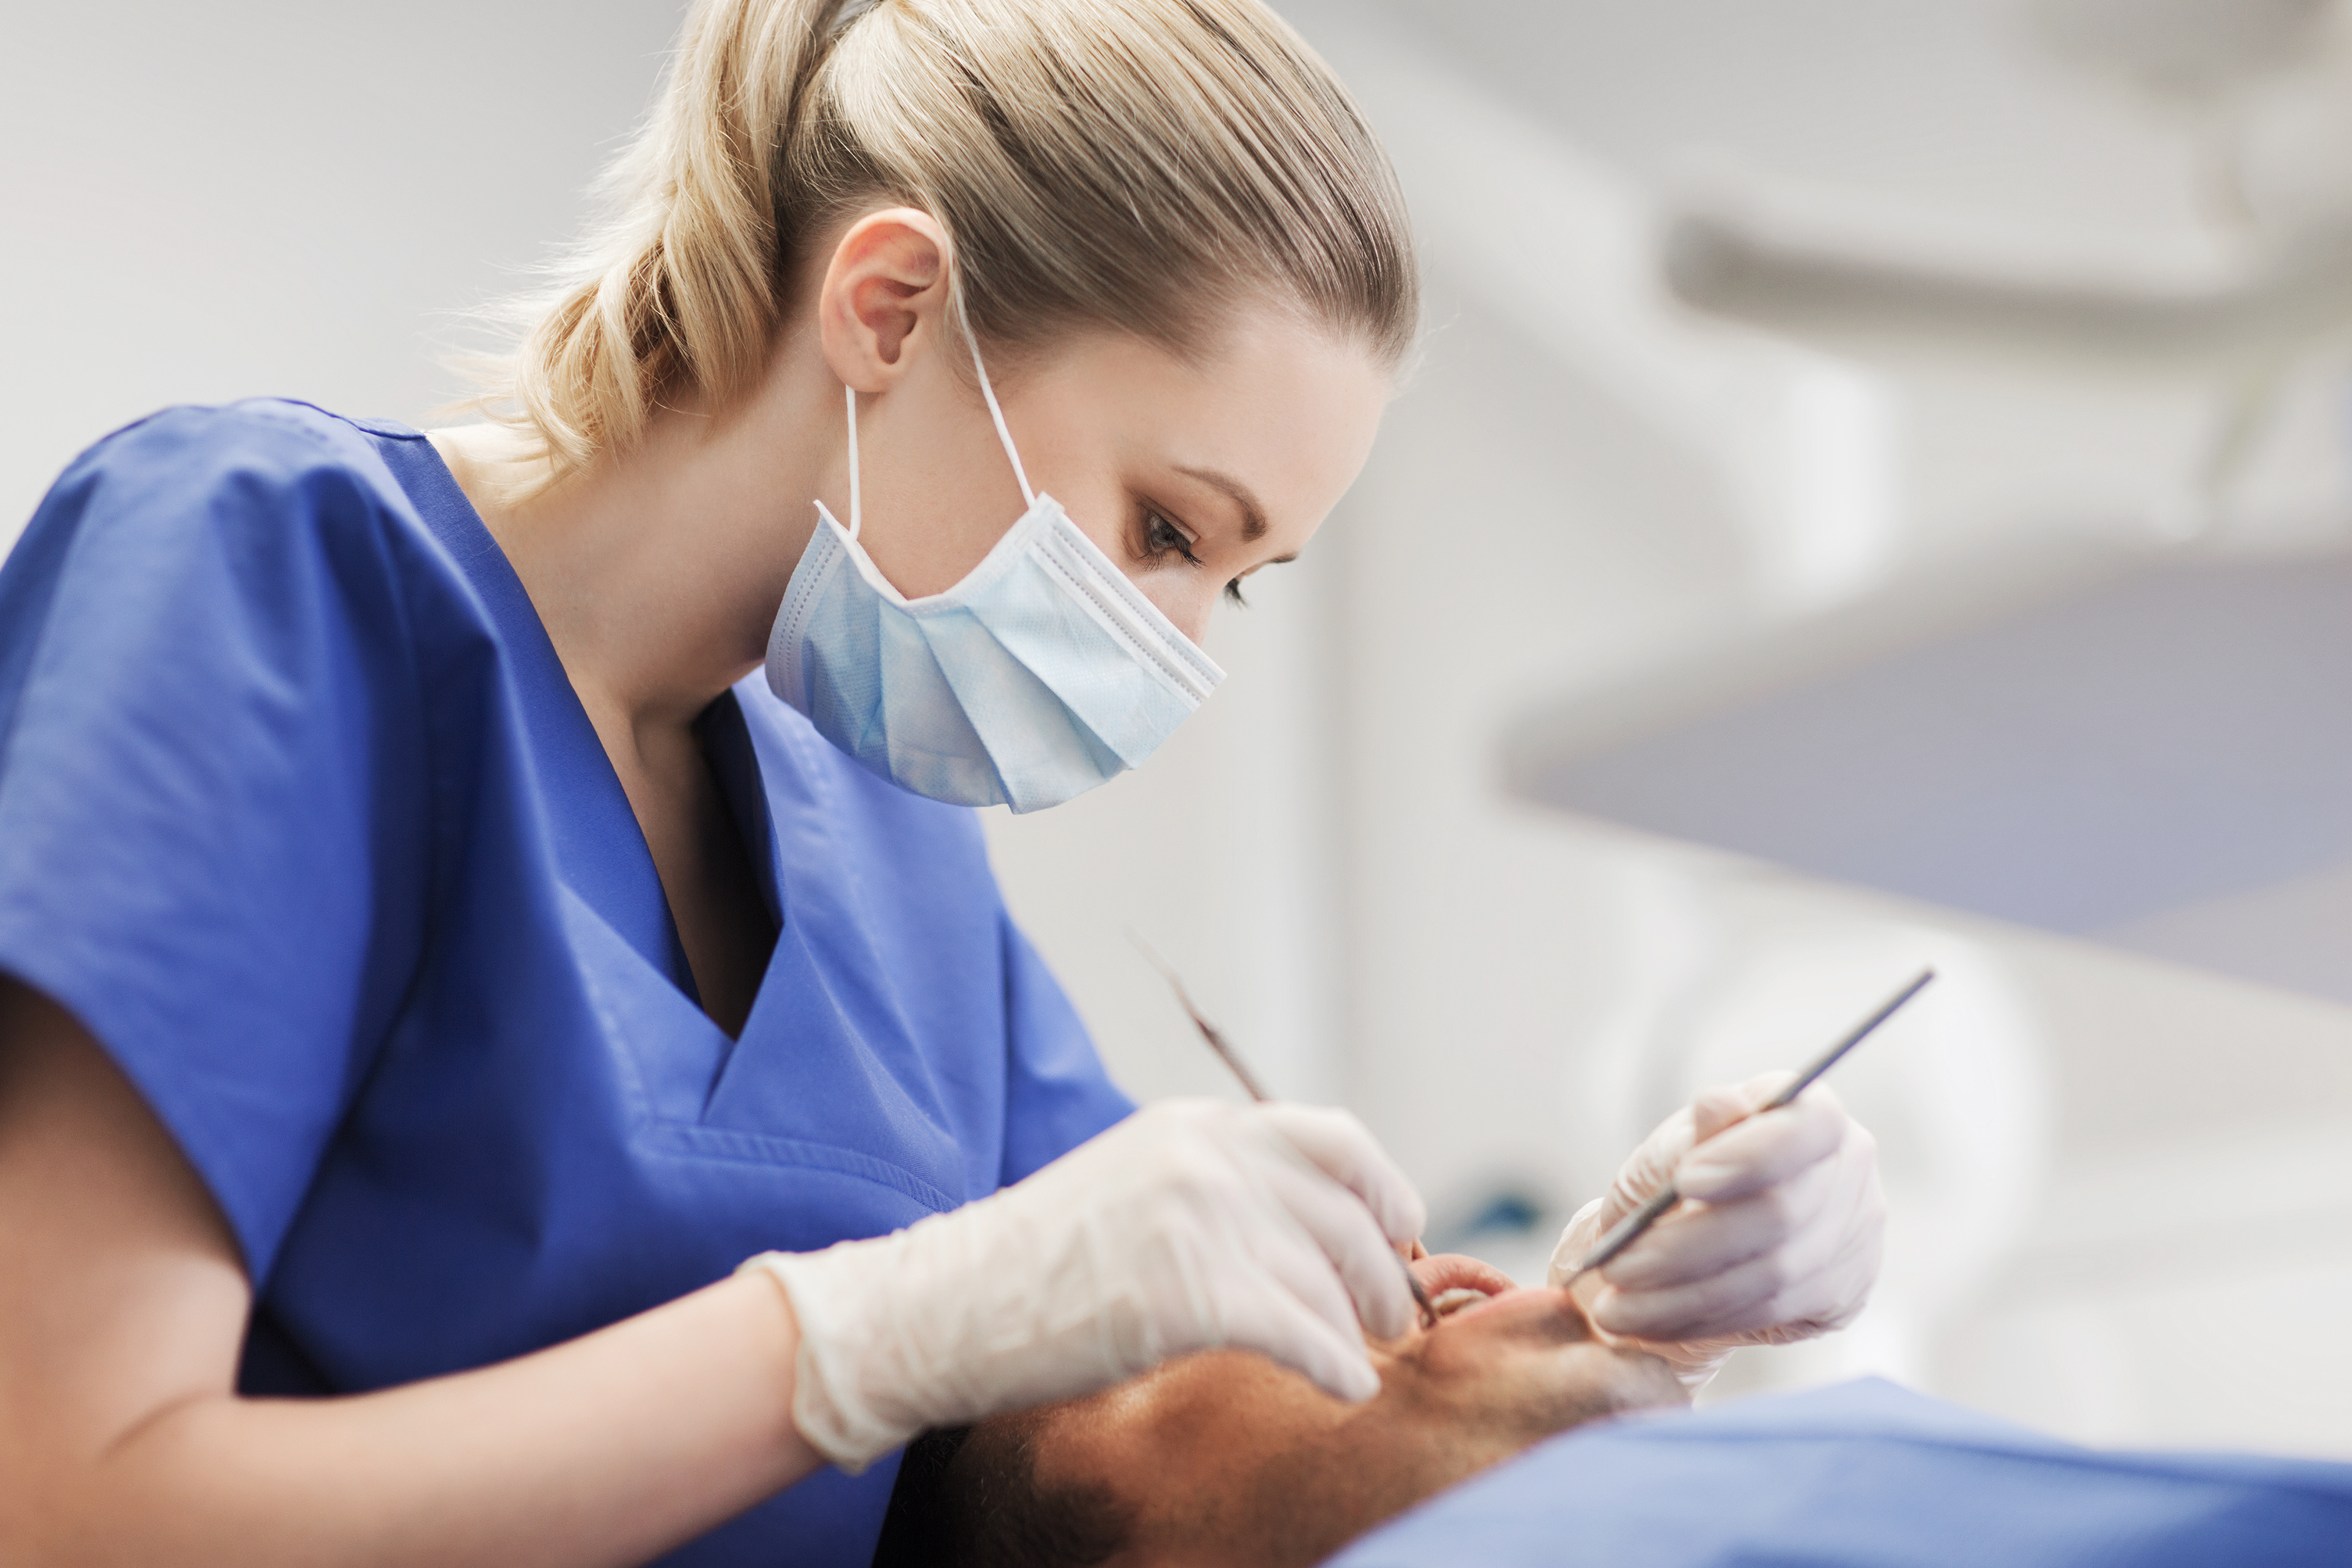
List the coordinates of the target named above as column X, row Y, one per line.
column 1044, row 672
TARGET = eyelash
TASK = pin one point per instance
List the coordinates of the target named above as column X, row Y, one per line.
column 1162, row 537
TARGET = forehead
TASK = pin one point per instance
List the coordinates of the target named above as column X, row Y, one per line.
column 1284, row 406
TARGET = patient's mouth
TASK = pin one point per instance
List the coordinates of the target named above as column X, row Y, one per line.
column 1462, row 1287
column 1454, row 1274
column 1550, row 1314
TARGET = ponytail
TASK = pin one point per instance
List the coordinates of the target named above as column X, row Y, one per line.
column 1137, row 164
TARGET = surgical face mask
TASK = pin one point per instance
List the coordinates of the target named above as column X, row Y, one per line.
column 1040, row 675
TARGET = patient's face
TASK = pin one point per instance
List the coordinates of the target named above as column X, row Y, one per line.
column 1225, row 1457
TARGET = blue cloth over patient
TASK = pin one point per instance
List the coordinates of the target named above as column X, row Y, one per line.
column 1867, row 1475
column 300, row 817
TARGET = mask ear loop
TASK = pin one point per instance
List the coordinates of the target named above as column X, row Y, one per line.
column 1028, row 495
column 995, row 413
column 856, row 519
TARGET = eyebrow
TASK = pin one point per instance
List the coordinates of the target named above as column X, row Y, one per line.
column 1253, row 525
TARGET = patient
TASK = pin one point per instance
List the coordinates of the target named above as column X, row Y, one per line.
column 1224, row 1458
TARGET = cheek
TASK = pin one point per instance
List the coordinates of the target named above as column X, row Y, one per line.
column 1173, row 587
column 1174, row 1432
column 1185, row 593
column 1098, row 511
column 1506, row 1377
column 1193, row 611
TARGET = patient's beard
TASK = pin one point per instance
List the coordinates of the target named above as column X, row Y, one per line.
column 1424, row 1434
column 979, row 1499
column 1225, row 1459
column 1431, row 1427
column 1300, row 1506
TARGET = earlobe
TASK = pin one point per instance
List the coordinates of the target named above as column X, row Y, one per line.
column 884, row 291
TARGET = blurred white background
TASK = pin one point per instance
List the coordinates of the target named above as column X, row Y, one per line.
column 1766, row 339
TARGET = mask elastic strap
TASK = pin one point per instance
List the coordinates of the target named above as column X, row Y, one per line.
column 995, row 413
column 855, row 518
column 1028, row 495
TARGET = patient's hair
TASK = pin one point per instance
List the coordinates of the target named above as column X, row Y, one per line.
column 968, row 1497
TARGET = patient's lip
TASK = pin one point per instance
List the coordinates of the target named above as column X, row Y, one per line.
column 1455, row 1271
column 1557, row 1310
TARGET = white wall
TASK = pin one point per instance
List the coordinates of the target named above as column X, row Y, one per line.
column 211, row 202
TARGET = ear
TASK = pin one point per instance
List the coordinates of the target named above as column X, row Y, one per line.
column 884, row 291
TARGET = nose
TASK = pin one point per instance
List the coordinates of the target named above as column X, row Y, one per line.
column 1186, row 594
column 1188, row 606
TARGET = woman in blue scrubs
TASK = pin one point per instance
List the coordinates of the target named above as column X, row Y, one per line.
column 510, row 1049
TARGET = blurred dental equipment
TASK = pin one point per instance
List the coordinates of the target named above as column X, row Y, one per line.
column 1627, row 1231
column 1256, row 1091
column 2276, row 301
column 1209, row 1031
column 2203, row 60
column 2270, row 296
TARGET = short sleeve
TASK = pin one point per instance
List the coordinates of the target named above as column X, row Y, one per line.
column 1060, row 1095
column 214, row 833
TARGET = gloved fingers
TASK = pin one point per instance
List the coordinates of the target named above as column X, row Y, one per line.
column 1828, row 1299
column 1275, row 1323
column 1696, row 1241
column 1342, row 1245
column 1831, row 1300
column 1292, row 1262
column 1766, row 1149
column 1670, row 1143
column 1576, row 1238
column 1675, row 1140
column 1311, row 1233
column 1729, row 1301
column 1646, row 1169
column 1346, row 1151
column 1860, row 1210
column 1721, row 1105
column 1818, row 1276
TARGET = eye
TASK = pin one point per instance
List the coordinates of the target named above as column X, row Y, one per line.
column 1162, row 537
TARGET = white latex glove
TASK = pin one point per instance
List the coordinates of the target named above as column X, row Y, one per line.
column 1777, row 1237
column 1191, row 1224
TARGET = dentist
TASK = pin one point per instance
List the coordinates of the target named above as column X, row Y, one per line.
column 511, row 1053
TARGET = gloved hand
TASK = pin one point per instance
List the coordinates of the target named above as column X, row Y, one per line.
column 1777, row 1239
column 1188, row 1225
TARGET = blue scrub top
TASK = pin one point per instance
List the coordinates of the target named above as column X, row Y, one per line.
column 300, row 817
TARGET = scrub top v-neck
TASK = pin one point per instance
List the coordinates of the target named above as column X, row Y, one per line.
column 300, row 817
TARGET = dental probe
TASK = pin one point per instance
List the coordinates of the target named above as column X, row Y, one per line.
column 1624, row 1234
column 1256, row 1091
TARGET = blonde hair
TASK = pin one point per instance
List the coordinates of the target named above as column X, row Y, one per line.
column 1143, row 165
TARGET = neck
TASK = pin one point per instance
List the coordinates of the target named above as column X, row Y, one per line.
column 657, row 571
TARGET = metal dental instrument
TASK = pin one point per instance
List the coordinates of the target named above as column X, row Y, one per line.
column 1256, row 1091
column 1623, row 1234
